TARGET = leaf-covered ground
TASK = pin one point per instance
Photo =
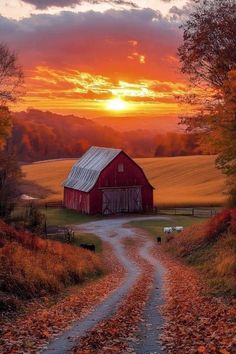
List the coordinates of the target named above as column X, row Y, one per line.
column 116, row 334
column 29, row 333
column 195, row 321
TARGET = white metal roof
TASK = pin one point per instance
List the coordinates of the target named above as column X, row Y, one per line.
column 85, row 172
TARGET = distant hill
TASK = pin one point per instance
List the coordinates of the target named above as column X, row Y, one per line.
column 152, row 124
column 39, row 135
column 181, row 181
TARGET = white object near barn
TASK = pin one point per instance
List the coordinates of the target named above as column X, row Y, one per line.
column 179, row 228
column 169, row 230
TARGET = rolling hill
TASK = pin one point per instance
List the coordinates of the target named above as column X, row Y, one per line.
column 43, row 135
column 178, row 181
column 151, row 124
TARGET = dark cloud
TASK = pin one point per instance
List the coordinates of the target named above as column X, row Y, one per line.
column 44, row 4
column 179, row 13
column 123, row 45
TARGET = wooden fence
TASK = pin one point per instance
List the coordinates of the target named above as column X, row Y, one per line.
column 188, row 211
column 196, row 211
column 58, row 204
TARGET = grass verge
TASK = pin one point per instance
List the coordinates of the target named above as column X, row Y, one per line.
column 81, row 238
column 209, row 246
column 155, row 227
column 32, row 267
column 63, row 216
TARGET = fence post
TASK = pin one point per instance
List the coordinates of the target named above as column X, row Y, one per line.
column 192, row 211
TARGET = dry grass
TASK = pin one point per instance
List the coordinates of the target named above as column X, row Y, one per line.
column 211, row 247
column 188, row 180
column 32, row 267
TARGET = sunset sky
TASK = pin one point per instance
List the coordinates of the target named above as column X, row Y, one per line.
column 97, row 58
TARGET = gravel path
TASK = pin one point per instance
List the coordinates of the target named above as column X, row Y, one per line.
column 150, row 329
column 114, row 231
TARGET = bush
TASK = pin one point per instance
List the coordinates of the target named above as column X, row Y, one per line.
column 220, row 224
column 211, row 247
column 31, row 266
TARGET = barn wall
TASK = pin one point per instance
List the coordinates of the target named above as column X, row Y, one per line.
column 110, row 177
column 77, row 200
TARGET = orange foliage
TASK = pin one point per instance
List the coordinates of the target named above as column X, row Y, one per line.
column 31, row 266
column 41, row 135
column 199, row 235
column 212, row 248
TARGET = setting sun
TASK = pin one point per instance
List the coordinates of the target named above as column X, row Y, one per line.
column 116, row 104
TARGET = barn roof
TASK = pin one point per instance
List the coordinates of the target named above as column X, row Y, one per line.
column 85, row 172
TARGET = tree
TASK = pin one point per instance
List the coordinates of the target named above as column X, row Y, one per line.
column 224, row 127
column 11, row 83
column 10, row 175
column 208, row 51
column 11, row 76
column 208, row 57
column 11, row 80
column 5, row 125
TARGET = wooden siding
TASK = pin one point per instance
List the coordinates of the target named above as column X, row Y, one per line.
column 77, row 200
column 116, row 190
column 132, row 176
column 121, row 200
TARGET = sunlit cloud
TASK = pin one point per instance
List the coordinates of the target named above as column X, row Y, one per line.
column 76, row 90
column 82, row 60
column 66, row 82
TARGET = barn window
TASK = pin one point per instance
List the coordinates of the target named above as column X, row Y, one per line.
column 121, row 167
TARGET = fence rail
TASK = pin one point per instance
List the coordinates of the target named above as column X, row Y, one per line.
column 185, row 211
column 197, row 211
column 54, row 204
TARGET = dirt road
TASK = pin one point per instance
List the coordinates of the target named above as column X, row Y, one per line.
column 114, row 232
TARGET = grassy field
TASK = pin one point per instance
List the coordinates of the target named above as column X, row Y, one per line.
column 179, row 181
column 155, row 227
column 61, row 216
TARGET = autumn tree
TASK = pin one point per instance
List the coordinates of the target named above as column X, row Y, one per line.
column 10, row 174
column 208, row 57
column 5, row 125
column 11, row 80
column 208, row 51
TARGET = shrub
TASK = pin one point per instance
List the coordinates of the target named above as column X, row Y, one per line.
column 220, row 224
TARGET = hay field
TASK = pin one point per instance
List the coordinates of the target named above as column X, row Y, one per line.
column 179, row 181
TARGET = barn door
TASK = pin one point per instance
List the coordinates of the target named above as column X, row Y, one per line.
column 121, row 200
column 135, row 199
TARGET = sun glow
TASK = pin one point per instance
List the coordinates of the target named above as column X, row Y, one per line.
column 116, row 104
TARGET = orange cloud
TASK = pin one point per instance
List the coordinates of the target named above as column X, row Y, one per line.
column 73, row 90
column 79, row 60
column 71, row 82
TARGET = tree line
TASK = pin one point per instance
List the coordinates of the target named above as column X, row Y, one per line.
column 38, row 135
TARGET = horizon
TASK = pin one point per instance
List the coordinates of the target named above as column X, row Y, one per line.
column 92, row 60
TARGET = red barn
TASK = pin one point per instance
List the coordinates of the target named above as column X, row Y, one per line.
column 107, row 181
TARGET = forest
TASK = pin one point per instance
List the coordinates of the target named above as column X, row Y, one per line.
column 39, row 135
